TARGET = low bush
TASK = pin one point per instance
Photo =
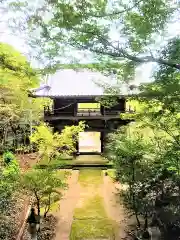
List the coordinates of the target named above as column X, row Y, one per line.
column 8, row 157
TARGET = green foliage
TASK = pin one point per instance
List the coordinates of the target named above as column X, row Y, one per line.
column 51, row 145
column 90, row 177
column 119, row 36
column 90, row 216
column 45, row 186
column 8, row 157
column 147, row 153
column 17, row 110
column 147, row 158
column 131, row 146
column 150, row 18
column 9, row 181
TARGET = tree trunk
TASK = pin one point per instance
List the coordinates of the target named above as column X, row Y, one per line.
column 146, row 221
column 37, row 202
column 133, row 194
column 48, row 207
column 4, row 136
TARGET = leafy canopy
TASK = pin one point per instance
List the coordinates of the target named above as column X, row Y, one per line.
column 9, row 178
column 44, row 185
column 116, row 35
column 51, row 144
column 17, row 110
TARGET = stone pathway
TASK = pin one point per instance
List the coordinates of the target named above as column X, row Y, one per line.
column 91, row 204
column 114, row 207
column 67, row 205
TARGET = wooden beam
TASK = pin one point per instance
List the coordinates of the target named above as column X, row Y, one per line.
column 81, row 118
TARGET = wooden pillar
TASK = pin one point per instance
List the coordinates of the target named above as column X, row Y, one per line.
column 102, row 142
column 77, row 141
column 75, row 108
column 102, row 110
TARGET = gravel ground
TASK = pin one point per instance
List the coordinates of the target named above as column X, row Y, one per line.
column 47, row 232
column 11, row 221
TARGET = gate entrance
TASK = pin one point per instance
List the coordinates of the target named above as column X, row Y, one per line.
column 90, row 142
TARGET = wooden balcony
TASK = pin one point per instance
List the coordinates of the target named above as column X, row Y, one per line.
column 88, row 112
column 82, row 117
column 84, row 114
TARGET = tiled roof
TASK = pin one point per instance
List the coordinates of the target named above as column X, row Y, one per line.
column 74, row 83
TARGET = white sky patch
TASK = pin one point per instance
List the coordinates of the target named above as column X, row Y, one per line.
column 143, row 73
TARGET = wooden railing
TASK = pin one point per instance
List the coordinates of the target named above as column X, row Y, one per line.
column 130, row 109
column 88, row 112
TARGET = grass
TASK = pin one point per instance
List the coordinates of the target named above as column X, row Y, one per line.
column 90, row 177
column 90, row 217
column 111, row 173
column 56, row 160
column 55, row 163
column 91, row 221
column 53, row 208
column 63, row 174
column 92, row 208
column 91, row 160
column 96, row 229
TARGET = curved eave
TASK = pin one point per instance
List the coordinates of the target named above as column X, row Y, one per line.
column 79, row 96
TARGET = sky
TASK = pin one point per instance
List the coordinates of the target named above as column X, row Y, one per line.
column 143, row 73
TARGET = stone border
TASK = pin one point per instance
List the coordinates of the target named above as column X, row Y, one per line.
column 21, row 231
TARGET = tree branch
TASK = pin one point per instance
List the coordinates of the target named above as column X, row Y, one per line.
column 4, row 64
column 116, row 13
column 146, row 59
column 15, row 69
column 122, row 53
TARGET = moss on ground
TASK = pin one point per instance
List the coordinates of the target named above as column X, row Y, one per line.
column 96, row 159
column 90, row 218
column 63, row 173
column 90, row 177
column 92, row 208
column 111, row 173
column 55, row 163
column 92, row 229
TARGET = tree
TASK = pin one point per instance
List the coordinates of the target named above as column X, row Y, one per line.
column 45, row 186
column 9, row 183
column 9, row 178
column 16, row 110
column 153, row 176
column 118, row 35
column 131, row 153
column 157, row 121
column 51, row 145
column 146, row 157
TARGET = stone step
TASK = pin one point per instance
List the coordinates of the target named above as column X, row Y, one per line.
column 90, row 163
column 103, row 167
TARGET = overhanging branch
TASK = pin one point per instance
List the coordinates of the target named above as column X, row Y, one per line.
column 116, row 13
column 147, row 59
column 122, row 53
